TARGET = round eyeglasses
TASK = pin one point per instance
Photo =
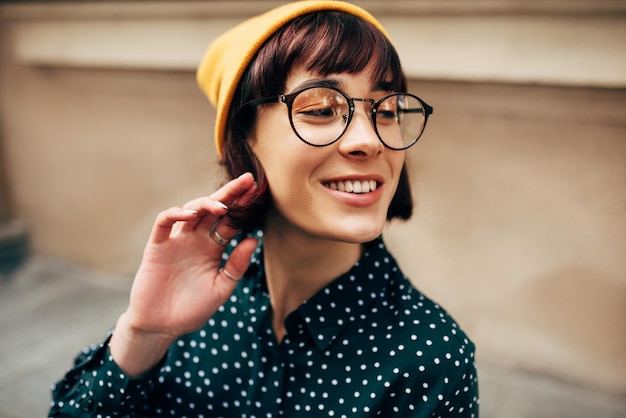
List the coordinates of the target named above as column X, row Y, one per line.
column 320, row 115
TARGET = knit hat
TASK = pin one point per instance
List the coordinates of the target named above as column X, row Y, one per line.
column 229, row 55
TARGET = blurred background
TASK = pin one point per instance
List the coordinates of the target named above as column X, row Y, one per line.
column 519, row 180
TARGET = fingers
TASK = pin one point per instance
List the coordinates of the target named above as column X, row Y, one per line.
column 221, row 230
column 224, row 196
column 207, row 209
column 204, row 212
column 238, row 262
column 229, row 275
column 165, row 221
column 217, row 237
column 235, row 191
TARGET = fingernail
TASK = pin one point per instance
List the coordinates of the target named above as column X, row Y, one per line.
column 247, row 172
column 220, row 205
column 191, row 211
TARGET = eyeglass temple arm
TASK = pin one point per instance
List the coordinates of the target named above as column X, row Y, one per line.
column 267, row 100
column 427, row 110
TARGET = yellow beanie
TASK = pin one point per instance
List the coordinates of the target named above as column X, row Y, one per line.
column 228, row 56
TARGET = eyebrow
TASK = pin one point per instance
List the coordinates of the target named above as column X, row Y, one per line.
column 334, row 83
column 383, row 86
column 324, row 82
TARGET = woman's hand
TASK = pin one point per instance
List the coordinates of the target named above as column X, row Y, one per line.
column 179, row 284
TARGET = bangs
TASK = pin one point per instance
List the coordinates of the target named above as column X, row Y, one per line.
column 343, row 44
column 324, row 43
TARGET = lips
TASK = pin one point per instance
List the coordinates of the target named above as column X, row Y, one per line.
column 353, row 186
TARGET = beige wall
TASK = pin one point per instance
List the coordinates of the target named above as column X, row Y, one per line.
column 520, row 226
column 93, row 156
column 519, row 229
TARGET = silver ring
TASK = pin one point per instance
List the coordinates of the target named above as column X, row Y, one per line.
column 217, row 237
column 227, row 274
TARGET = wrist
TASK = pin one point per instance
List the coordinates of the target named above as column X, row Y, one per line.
column 136, row 351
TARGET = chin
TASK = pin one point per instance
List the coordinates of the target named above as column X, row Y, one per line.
column 359, row 234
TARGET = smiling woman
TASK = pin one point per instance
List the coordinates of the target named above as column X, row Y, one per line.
column 276, row 295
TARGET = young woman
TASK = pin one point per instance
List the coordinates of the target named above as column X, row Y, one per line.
column 275, row 296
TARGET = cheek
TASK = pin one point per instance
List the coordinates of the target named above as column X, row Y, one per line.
column 275, row 142
column 281, row 154
column 267, row 143
column 286, row 167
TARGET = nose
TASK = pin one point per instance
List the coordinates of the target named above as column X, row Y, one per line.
column 360, row 139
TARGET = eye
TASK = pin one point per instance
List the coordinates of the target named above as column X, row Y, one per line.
column 386, row 115
column 319, row 106
column 321, row 112
column 317, row 114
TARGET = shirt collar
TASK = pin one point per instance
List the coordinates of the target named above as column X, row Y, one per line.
column 327, row 313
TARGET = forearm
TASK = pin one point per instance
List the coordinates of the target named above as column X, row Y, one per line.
column 96, row 386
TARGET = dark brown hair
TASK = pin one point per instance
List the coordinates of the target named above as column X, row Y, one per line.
column 323, row 43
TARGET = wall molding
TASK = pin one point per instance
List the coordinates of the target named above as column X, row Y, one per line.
column 243, row 8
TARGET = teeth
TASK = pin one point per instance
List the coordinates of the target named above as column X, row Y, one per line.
column 353, row 186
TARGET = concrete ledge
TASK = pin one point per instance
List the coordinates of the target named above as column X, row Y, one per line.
column 557, row 43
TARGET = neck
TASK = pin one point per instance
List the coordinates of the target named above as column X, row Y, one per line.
column 298, row 265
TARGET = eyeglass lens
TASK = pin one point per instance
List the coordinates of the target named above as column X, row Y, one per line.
column 320, row 115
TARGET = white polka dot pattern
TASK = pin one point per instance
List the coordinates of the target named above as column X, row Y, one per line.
column 368, row 344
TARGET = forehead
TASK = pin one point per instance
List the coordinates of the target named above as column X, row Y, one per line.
column 362, row 81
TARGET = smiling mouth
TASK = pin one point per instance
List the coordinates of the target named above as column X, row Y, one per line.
column 353, row 186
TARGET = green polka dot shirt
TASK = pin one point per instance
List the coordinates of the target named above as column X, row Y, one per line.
column 369, row 344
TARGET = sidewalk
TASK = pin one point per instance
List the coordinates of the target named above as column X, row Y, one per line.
column 50, row 310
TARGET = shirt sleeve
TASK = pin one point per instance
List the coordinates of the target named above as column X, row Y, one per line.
column 97, row 387
column 461, row 399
